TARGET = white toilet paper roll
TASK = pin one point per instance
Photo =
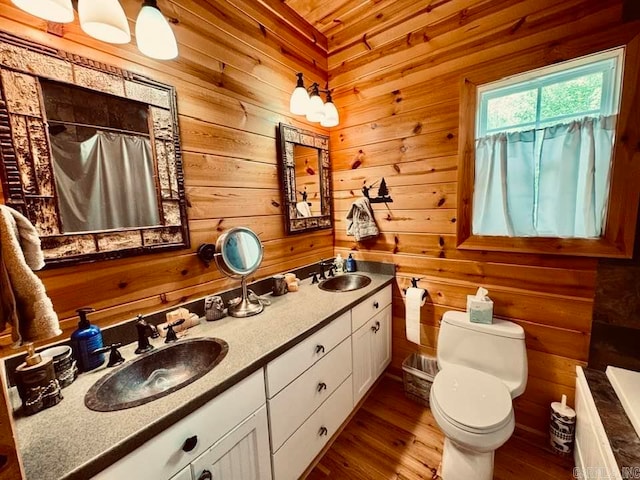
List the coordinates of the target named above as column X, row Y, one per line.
column 414, row 300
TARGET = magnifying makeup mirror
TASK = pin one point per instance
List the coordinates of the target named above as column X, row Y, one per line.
column 238, row 254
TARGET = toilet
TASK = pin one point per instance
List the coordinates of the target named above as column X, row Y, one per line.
column 482, row 369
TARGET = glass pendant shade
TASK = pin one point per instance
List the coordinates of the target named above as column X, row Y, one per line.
column 315, row 112
column 315, row 109
column 104, row 20
column 299, row 101
column 154, row 36
column 331, row 118
column 59, row 11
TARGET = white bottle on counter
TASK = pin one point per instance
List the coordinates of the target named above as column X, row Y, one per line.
column 339, row 264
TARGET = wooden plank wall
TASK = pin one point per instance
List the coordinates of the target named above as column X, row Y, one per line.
column 397, row 70
column 234, row 76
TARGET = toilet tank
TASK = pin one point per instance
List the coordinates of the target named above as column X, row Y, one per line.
column 497, row 349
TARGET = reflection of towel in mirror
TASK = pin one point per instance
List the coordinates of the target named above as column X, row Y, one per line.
column 303, row 209
column 24, row 303
column 360, row 221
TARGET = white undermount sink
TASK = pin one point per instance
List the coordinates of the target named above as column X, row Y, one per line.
column 626, row 384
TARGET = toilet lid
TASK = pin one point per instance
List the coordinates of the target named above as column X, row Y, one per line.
column 472, row 399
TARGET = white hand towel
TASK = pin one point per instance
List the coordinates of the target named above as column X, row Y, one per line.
column 360, row 221
column 32, row 316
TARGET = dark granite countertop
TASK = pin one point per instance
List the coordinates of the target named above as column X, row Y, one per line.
column 623, row 438
column 71, row 442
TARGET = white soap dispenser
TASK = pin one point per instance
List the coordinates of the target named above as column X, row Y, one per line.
column 339, row 264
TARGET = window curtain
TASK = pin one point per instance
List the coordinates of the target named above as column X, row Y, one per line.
column 503, row 196
column 559, row 189
column 575, row 161
column 105, row 182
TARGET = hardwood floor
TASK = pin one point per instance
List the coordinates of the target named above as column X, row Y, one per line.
column 392, row 437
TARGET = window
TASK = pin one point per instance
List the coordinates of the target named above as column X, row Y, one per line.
column 537, row 126
column 572, row 90
column 544, row 143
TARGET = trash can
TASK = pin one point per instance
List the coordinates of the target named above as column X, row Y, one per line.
column 418, row 372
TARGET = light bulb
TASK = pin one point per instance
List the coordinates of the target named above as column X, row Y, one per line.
column 154, row 36
column 104, row 20
column 331, row 117
column 59, row 11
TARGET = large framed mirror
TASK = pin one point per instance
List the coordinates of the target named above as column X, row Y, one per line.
column 90, row 154
column 305, row 176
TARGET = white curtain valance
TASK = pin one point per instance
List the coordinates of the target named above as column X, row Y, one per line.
column 552, row 182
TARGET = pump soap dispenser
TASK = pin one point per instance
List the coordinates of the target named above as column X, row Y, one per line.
column 85, row 340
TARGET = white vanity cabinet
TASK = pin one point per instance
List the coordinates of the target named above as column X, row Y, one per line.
column 371, row 341
column 230, row 428
column 592, row 453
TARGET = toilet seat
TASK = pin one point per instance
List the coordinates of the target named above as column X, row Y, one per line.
column 471, row 400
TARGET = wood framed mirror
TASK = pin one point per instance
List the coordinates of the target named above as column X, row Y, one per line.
column 90, row 154
column 305, row 179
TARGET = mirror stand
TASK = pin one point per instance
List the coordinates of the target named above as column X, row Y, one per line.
column 245, row 306
column 238, row 253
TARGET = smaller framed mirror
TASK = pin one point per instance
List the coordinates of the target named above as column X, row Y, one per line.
column 305, row 177
column 239, row 253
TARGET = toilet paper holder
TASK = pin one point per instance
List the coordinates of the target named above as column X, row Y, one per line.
column 414, row 284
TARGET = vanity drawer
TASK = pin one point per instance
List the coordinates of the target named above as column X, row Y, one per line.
column 284, row 369
column 289, row 409
column 362, row 312
column 302, row 447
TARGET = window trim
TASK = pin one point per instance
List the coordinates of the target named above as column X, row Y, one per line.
column 624, row 192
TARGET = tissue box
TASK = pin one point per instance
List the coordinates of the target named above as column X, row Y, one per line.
column 480, row 311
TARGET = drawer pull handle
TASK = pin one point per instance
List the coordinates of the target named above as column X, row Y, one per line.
column 376, row 304
column 322, row 386
column 320, row 349
column 323, row 431
column 190, row 443
column 205, row 475
column 376, row 328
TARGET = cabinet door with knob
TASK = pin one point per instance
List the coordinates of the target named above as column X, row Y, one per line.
column 241, row 454
column 371, row 345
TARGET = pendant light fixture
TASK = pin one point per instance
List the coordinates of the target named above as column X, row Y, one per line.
column 153, row 33
column 104, row 20
column 59, row 11
column 299, row 98
column 331, row 117
column 308, row 102
column 315, row 109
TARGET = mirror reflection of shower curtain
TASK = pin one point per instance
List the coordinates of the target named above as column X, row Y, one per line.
column 105, row 182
